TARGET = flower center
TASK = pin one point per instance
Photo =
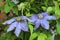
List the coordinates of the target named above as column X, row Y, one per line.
column 18, row 18
column 41, row 16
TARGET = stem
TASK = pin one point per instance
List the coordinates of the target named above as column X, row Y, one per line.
column 46, row 3
column 22, row 12
column 53, row 33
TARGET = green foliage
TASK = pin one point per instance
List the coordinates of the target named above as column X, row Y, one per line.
column 31, row 1
column 57, row 37
column 49, row 9
column 42, row 36
column 31, row 28
column 8, row 7
column 57, row 12
column 2, row 7
column 33, row 36
column 7, row 1
column 3, row 37
column 7, row 36
column 15, row 10
column 21, row 35
column 58, row 27
column 44, row 8
column 57, row 9
column 49, row 37
column 28, row 14
column 22, row 5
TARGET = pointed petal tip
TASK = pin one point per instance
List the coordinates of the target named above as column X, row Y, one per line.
column 37, row 24
column 47, row 28
column 9, row 21
column 51, row 17
column 8, row 30
column 45, row 24
column 16, row 34
column 54, row 18
column 4, row 23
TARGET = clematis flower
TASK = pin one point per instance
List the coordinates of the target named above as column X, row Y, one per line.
column 17, row 23
column 41, row 19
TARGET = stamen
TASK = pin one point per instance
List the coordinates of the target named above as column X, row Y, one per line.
column 18, row 18
column 40, row 16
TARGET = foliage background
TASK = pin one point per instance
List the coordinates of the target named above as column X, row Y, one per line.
column 9, row 9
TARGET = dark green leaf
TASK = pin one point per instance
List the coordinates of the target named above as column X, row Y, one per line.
column 58, row 27
column 15, row 10
column 8, row 7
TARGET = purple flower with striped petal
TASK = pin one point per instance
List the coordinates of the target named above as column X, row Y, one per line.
column 19, row 23
column 41, row 19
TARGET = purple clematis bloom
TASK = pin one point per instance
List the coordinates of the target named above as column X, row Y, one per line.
column 41, row 19
column 19, row 23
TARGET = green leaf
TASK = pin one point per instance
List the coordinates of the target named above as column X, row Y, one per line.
column 11, row 4
column 31, row 28
column 33, row 36
column 2, row 7
column 28, row 14
column 31, row 1
column 15, row 10
column 58, row 27
column 57, row 37
column 34, row 9
column 56, row 5
column 13, row 37
column 21, row 35
column 6, row 27
column 44, row 8
column 57, row 13
column 8, row 7
column 7, row 1
column 49, row 9
column 49, row 37
column 22, row 5
column 3, row 37
column 10, row 36
column 42, row 36
column 57, row 10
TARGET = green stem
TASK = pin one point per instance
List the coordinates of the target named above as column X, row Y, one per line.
column 46, row 3
column 22, row 12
